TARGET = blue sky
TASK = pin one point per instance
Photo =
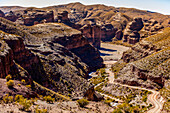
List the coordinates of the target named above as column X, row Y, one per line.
column 161, row 6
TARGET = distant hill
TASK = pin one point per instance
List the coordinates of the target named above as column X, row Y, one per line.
column 6, row 9
column 79, row 12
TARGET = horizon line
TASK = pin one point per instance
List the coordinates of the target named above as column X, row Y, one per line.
column 86, row 5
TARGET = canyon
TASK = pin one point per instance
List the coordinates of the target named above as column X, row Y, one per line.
column 115, row 58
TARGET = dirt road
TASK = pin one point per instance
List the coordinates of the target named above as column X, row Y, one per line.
column 111, row 53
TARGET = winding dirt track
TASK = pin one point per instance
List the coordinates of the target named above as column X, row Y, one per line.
column 153, row 98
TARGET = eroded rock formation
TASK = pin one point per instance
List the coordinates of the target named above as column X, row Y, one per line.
column 54, row 60
column 131, row 34
column 93, row 34
column 152, row 26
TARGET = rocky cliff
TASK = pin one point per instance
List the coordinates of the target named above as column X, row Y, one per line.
column 44, row 53
column 146, row 64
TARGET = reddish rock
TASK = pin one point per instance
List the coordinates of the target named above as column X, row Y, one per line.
column 6, row 59
column 151, row 27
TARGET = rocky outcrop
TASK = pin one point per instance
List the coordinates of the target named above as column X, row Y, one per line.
column 108, row 32
column 131, row 34
column 24, row 57
column 119, row 35
column 63, row 17
column 134, row 37
column 152, row 26
column 92, row 95
column 11, row 16
column 2, row 14
column 6, row 59
column 93, row 34
column 37, row 17
column 15, row 56
column 146, row 63
column 73, row 41
column 51, row 56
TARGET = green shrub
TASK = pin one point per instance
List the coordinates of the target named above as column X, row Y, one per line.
column 28, row 86
column 10, row 84
column 25, row 104
column 8, row 77
column 108, row 101
column 23, row 82
column 7, row 99
column 144, row 98
column 49, row 99
column 117, row 111
column 18, row 98
column 83, row 102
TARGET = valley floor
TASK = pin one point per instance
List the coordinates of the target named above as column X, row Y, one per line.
column 111, row 53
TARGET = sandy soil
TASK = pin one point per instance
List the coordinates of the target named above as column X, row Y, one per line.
column 111, row 52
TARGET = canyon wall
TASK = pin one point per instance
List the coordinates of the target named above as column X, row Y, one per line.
column 54, row 61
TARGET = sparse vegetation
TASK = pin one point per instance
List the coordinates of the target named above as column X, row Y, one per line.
column 49, row 99
column 23, row 82
column 116, row 67
column 8, row 77
column 165, row 92
column 7, row 99
column 100, row 78
column 25, row 104
column 10, row 84
column 83, row 102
